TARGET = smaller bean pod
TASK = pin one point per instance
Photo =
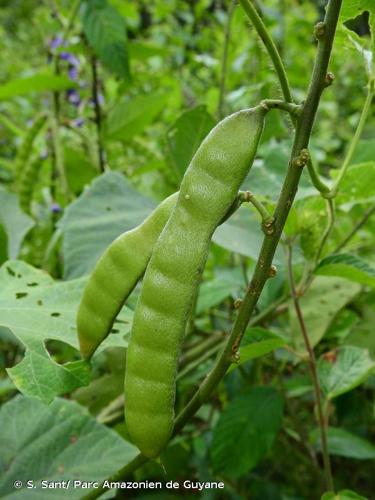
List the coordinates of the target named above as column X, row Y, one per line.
column 114, row 277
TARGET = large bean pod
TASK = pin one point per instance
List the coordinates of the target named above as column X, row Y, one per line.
column 208, row 189
column 115, row 275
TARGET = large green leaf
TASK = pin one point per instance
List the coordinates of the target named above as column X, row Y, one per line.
column 36, row 309
column 105, row 30
column 130, row 117
column 16, row 224
column 345, row 369
column 41, row 82
column 345, row 444
column 320, row 304
column 60, row 442
column 185, row 136
column 106, row 209
column 347, row 266
column 246, row 430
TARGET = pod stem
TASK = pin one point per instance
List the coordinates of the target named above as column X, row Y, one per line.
column 267, row 219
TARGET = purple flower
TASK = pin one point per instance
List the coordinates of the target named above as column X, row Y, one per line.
column 73, row 97
column 55, row 208
column 55, row 42
column 78, row 122
column 70, row 58
column 73, row 73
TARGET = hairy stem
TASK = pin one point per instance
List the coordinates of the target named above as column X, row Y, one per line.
column 224, row 60
column 322, row 421
column 270, row 46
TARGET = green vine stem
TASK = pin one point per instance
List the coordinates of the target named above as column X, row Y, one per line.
column 224, row 60
column 276, row 59
column 354, row 142
column 270, row 46
column 297, row 161
column 322, row 421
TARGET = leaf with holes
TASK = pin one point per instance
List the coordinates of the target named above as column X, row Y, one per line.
column 36, row 309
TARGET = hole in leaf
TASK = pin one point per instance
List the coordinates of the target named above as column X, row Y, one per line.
column 21, row 295
column 10, row 271
column 39, row 302
column 114, row 330
column 33, row 284
column 109, row 209
column 19, row 275
column 55, row 315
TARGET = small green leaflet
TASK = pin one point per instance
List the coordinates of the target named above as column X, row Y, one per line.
column 105, row 30
column 341, row 370
column 343, row 443
column 347, row 266
column 256, row 343
column 40, row 82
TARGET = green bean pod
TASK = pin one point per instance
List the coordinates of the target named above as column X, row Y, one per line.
column 28, row 179
column 208, row 190
column 114, row 277
column 25, row 150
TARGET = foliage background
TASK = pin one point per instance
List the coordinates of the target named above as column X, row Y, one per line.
column 131, row 89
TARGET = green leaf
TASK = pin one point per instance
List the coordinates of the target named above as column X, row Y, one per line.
column 347, row 266
column 242, row 234
column 16, row 224
column 320, row 304
column 225, row 283
column 256, row 343
column 343, row 495
column 105, row 30
column 129, row 117
column 347, row 368
column 59, row 442
column 345, row 444
column 106, row 209
column 267, row 175
column 35, row 308
column 357, row 186
column 245, row 431
column 41, row 82
column 185, row 136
